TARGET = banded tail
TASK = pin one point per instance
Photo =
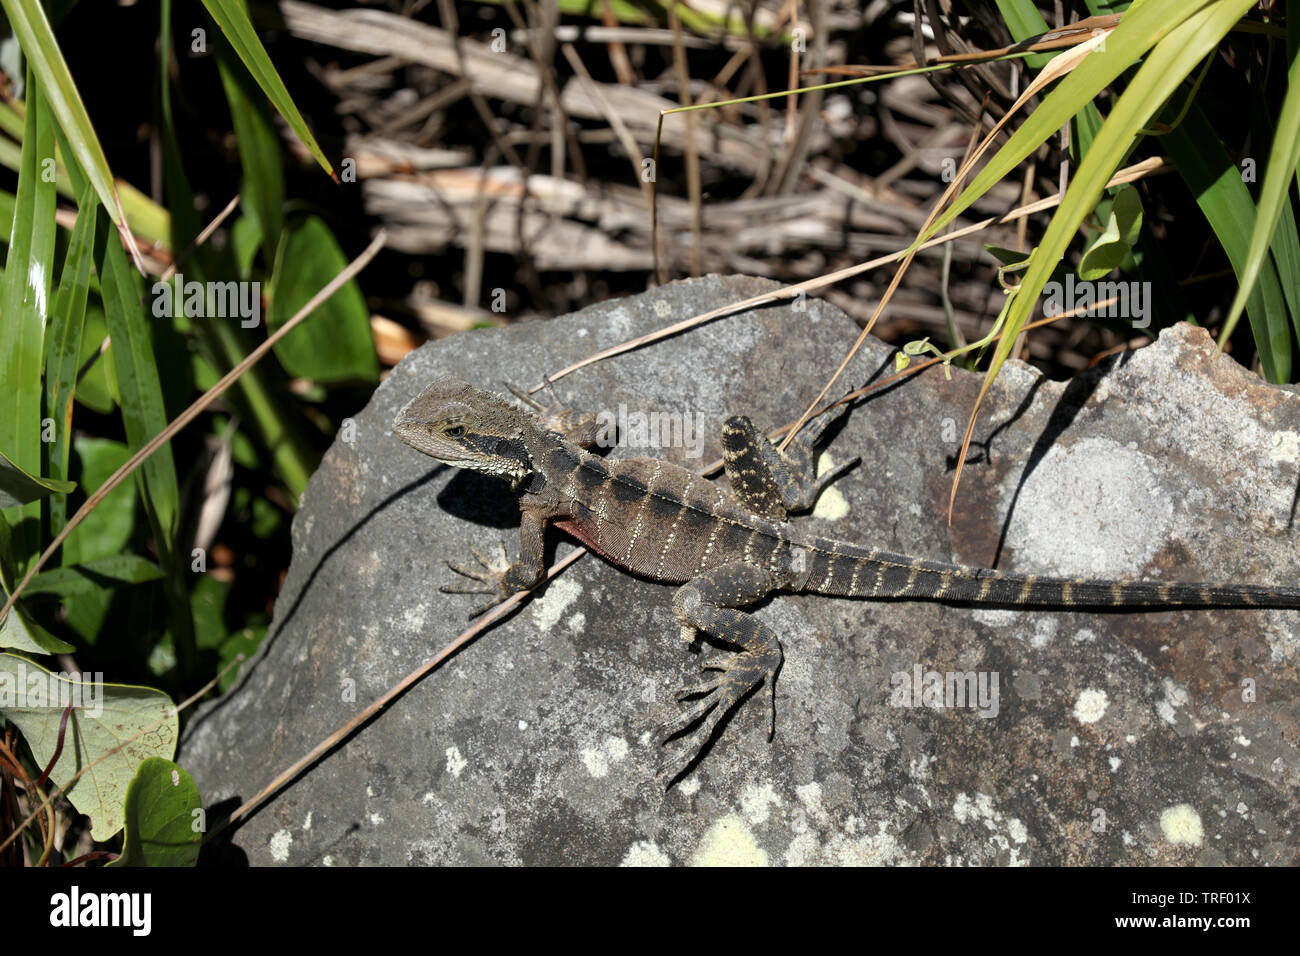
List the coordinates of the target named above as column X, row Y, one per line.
column 844, row 570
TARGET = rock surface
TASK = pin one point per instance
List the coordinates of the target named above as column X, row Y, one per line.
column 1114, row 738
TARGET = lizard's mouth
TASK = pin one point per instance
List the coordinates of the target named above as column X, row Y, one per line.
column 422, row 439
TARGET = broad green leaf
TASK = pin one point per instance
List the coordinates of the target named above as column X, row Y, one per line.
column 141, row 721
column 109, row 572
column 44, row 58
column 163, row 817
column 21, row 633
column 1123, row 227
column 106, row 531
column 232, row 17
column 24, row 297
column 19, row 488
column 336, row 345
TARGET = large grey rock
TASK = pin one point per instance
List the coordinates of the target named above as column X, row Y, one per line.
column 1119, row 738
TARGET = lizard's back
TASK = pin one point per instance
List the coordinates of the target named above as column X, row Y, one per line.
column 659, row 519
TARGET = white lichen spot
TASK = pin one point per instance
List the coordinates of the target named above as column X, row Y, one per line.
column 1175, row 697
column 375, row 820
column 1090, row 706
column 306, row 824
column 1285, row 448
column 981, row 810
column 523, row 725
column 429, row 799
column 1044, row 631
column 1115, row 764
column 550, row 607
column 593, row 758
column 279, row 845
column 689, row 787
column 729, row 843
column 1074, row 741
column 662, row 308
column 645, row 853
column 1127, row 838
column 810, row 795
column 1085, row 635
column 1181, row 825
column 577, row 624
column 1242, row 809
column 756, row 802
column 456, row 762
column 804, row 850
column 878, row 850
column 1243, row 740
column 598, row 759
column 413, row 618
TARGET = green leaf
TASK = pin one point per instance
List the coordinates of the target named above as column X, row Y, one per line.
column 1123, row 227
column 262, row 191
column 336, row 345
column 24, row 294
column 106, row 531
column 19, row 488
column 21, row 633
column 141, row 720
column 1138, row 31
column 1023, row 21
column 163, row 817
column 110, row 572
column 232, row 17
column 1281, row 168
column 1172, row 59
column 1216, row 182
column 44, row 58
column 63, row 345
column 245, row 238
column 139, row 388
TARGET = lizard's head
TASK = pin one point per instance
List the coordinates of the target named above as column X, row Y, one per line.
column 463, row 426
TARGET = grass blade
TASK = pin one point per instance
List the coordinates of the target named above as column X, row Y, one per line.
column 231, row 16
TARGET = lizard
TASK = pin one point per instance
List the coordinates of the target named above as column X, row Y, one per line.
column 725, row 551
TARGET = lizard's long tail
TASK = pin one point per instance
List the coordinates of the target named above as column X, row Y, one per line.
column 843, row 570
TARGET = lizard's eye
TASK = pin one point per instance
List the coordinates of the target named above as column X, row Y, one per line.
column 455, row 431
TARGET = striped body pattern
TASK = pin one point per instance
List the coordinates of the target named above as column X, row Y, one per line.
column 726, row 550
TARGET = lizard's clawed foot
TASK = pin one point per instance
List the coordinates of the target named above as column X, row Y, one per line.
column 717, row 697
column 490, row 578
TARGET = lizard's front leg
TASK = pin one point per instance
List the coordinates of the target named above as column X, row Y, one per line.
column 773, row 483
column 709, row 603
column 500, row 579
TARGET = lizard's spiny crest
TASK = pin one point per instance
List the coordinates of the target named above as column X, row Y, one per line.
column 463, row 426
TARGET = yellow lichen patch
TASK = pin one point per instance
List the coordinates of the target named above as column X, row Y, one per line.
column 729, row 843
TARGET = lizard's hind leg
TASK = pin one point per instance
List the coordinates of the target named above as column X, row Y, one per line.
column 771, row 482
column 709, row 603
